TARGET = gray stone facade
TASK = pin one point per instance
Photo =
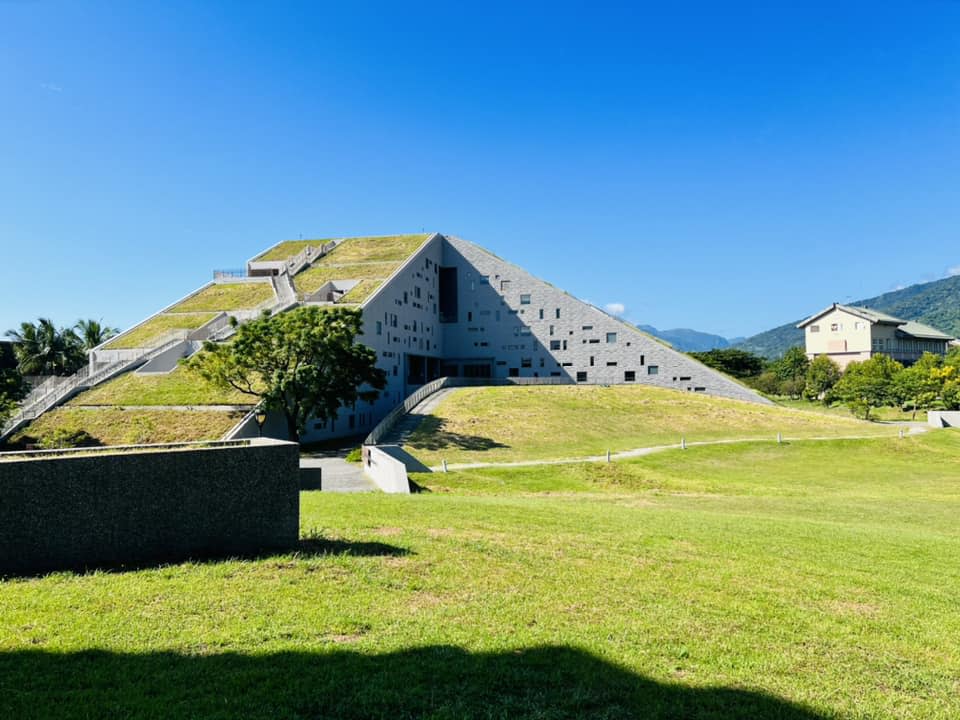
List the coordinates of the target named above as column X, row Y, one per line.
column 503, row 322
column 86, row 508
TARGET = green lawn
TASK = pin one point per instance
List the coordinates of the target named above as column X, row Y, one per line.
column 150, row 331
column 117, row 426
column 795, row 581
column 227, row 296
column 504, row 424
column 179, row 387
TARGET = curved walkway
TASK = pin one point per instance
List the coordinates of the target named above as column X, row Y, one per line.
column 912, row 429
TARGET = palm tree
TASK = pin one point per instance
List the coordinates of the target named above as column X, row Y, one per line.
column 43, row 349
column 93, row 333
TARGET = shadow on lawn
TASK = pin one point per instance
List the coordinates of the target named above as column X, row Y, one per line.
column 435, row 682
column 431, row 435
column 306, row 547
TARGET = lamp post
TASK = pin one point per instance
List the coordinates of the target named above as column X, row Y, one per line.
column 261, row 418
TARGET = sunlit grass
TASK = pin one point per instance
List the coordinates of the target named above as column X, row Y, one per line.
column 804, row 580
column 502, row 424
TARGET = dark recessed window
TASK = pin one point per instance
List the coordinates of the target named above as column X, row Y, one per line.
column 653, row 370
column 581, row 376
column 630, row 376
column 524, row 299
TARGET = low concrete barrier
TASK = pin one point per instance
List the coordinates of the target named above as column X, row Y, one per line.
column 387, row 473
column 145, row 504
column 943, row 418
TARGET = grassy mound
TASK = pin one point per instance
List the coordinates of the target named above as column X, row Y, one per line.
column 503, row 424
column 117, row 426
column 802, row 581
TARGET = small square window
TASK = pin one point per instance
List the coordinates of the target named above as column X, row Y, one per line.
column 525, row 299
column 611, row 337
column 629, row 375
column 814, row 328
column 526, row 362
column 653, row 370
column 582, row 376
column 554, row 344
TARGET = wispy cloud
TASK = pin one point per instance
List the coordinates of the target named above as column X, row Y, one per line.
column 615, row 308
column 51, row 87
column 955, row 270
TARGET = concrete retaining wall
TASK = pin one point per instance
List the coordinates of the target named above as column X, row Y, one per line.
column 76, row 509
column 388, row 473
column 943, row 418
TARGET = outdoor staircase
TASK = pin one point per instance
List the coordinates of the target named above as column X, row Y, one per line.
column 56, row 391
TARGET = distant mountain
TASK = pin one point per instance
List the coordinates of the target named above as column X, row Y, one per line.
column 688, row 340
column 934, row 303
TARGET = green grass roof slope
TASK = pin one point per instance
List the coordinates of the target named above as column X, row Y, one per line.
column 289, row 249
column 363, row 258
column 147, row 333
column 223, row 297
column 118, row 426
column 181, row 386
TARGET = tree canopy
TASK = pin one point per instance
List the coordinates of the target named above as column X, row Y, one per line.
column 42, row 348
column 305, row 364
column 869, row 384
column 93, row 333
column 738, row 363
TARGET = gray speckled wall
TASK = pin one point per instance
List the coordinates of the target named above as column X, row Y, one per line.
column 105, row 509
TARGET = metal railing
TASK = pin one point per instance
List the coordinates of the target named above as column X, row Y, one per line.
column 230, row 273
column 425, row 391
column 84, row 378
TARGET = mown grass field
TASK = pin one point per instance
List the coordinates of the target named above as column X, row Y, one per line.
column 181, row 386
column 152, row 330
column 119, row 426
column 507, row 424
column 804, row 580
column 226, row 296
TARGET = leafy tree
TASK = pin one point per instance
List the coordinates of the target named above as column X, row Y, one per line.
column 869, row 384
column 920, row 385
column 12, row 390
column 822, row 374
column 43, row 349
column 766, row 382
column 304, row 363
column 93, row 333
column 738, row 363
column 793, row 365
column 949, row 377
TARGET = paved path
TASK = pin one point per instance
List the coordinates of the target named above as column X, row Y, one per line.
column 329, row 472
column 911, row 429
column 399, row 433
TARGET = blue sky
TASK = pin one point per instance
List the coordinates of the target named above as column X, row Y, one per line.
column 723, row 166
